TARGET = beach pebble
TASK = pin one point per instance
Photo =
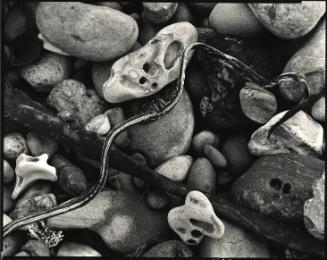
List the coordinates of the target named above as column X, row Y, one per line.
column 235, row 150
column 158, row 13
column 22, row 254
column 166, row 137
column 36, row 189
column 99, row 124
column 121, row 219
column 235, row 19
column 176, row 168
column 36, row 248
column 68, row 249
column 74, row 102
column 116, row 32
column 202, row 176
column 7, row 202
column 156, row 200
column 314, row 210
column 215, row 157
column 300, row 134
column 289, row 20
column 14, row 144
column 202, row 138
column 39, row 144
column 49, row 69
column 195, row 219
column 318, row 109
column 257, row 103
column 171, row 248
column 154, row 65
column 8, row 174
column 236, row 242
column 278, row 185
column 12, row 242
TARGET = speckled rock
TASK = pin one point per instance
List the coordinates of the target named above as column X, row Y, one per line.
column 234, row 19
column 300, row 134
column 69, row 249
column 171, row 248
column 71, row 27
column 318, row 109
column 121, row 219
column 49, row 69
column 8, row 174
column 289, row 20
column 202, row 138
column 236, row 242
column 167, row 137
column 39, row 144
column 314, row 210
column 36, row 248
column 278, row 185
column 14, row 144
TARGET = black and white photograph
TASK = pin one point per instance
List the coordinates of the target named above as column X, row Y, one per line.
column 163, row 129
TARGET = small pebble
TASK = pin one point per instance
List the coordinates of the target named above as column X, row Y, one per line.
column 99, row 124
column 22, row 254
column 36, row 248
column 39, row 144
column 7, row 202
column 69, row 249
column 202, row 138
column 176, row 168
column 318, row 109
column 214, row 156
column 202, row 176
column 171, row 248
column 158, row 13
column 156, row 200
column 8, row 173
column 37, row 189
column 14, row 144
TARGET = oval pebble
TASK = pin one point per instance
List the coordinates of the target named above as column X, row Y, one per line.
column 99, row 124
column 22, row 254
column 224, row 178
column 14, row 144
column 39, row 144
column 8, row 173
column 202, row 138
column 202, row 176
column 214, row 156
column 68, row 249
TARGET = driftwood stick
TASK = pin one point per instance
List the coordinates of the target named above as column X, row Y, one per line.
column 20, row 108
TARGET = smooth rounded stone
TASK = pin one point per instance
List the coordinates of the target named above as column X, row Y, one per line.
column 147, row 70
column 12, row 242
column 121, row 181
column 158, row 13
column 157, row 201
column 68, row 249
column 214, row 156
column 278, row 185
column 166, row 137
column 139, row 183
column 113, row 5
column 37, row 189
column 314, row 210
column 8, row 174
column 121, row 219
column 14, row 144
column 74, row 102
column 311, row 61
column 300, row 134
column 36, row 248
column 171, row 248
column 289, row 20
column 176, row 168
column 39, row 144
column 202, row 138
column 183, row 14
column 99, row 124
column 22, row 254
column 49, row 69
column 236, row 242
column 202, row 176
column 234, row 19
column 257, row 103
column 86, row 31
column 195, row 219
column 235, row 150
column 318, row 109
column 7, row 202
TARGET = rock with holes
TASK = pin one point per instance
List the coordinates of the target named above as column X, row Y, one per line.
column 86, row 31
column 314, row 210
column 311, row 61
column 150, row 68
column 121, row 219
column 68, row 249
column 195, row 219
column 171, row 248
column 289, row 20
column 30, row 169
column 158, row 13
column 236, row 242
column 300, row 134
column 278, row 185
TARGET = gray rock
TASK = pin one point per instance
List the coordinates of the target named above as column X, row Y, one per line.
column 156, row 200
column 171, row 248
column 68, row 249
column 158, row 13
column 12, row 242
column 36, row 248
column 14, row 144
column 318, row 109
column 214, row 156
column 39, row 144
column 314, row 210
column 37, row 189
column 120, row 218
column 7, row 202
column 7, row 173
column 202, row 138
